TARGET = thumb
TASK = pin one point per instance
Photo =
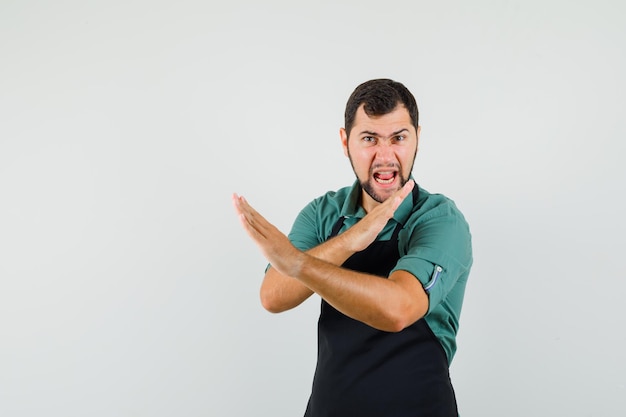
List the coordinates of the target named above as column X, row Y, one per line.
column 402, row 193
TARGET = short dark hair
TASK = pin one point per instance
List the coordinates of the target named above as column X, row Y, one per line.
column 380, row 96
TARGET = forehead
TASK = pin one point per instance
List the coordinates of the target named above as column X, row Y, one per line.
column 385, row 124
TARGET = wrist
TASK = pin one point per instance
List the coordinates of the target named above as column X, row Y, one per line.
column 299, row 264
column 345, row 242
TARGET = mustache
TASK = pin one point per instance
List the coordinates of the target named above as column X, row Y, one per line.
column 393, row 165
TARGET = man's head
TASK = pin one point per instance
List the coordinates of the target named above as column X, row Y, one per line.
column 380, row 138
column 378, row 98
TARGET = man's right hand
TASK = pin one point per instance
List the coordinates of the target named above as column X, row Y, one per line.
column 362, row 234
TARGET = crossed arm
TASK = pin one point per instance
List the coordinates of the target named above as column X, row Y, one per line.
column 386, row 304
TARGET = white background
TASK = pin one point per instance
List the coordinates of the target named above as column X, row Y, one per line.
column 127, row 287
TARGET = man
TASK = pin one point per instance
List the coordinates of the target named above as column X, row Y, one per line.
column 390, row 262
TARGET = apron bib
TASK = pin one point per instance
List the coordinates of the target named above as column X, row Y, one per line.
column 365, row 372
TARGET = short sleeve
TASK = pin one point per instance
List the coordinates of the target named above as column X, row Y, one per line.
column 436, row 248
column 304, row 233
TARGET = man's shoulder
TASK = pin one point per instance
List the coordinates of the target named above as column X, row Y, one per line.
column 430, row 205
column 331, row 200
column 315, row 221
column 437, row 230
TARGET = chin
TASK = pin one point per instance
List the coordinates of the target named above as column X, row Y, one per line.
column 377, row 194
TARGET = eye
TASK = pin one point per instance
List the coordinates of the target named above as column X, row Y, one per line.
column 400, row 138
column 369, row 139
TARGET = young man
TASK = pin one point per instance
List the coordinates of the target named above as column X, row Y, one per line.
column 390, row 262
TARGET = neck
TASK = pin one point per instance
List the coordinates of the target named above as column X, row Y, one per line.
column 367, row 202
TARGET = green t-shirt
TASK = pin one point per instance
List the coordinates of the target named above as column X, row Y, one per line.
column 434, row 244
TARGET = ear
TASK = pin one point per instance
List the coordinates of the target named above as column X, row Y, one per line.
column 419, row 129
column 344, row 140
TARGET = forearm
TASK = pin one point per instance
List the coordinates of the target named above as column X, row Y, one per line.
column 295, row 275
column 280, row 292
column 386, row 304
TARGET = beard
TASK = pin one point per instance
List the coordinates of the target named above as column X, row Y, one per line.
column 368, row 185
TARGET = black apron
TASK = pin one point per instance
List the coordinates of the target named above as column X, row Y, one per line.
column 364, row 372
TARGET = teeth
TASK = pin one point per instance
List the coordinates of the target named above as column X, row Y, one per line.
column 389, row 174
column 389, row 181
column 383, row 181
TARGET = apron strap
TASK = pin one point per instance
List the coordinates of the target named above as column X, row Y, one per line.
column 337, row 227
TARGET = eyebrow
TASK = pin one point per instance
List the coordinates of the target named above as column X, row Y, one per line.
column 368, row 132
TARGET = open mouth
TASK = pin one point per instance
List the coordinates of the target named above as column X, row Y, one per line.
column 385, row 177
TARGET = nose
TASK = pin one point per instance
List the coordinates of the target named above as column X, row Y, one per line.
column 384, row 153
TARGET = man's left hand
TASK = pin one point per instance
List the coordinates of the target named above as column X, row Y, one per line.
column 274, row 244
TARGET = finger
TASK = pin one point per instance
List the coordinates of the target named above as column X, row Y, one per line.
column 240, row 202
column 254, row 217
column 399, row 196
column 406, row 189
column 252, row 220
column 252, row 227
column 243, row 207
column 252, row 231
column 235, row 199
column 402, row 192
column 248, row 209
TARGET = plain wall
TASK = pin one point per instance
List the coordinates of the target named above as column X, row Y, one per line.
column 127, row 287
